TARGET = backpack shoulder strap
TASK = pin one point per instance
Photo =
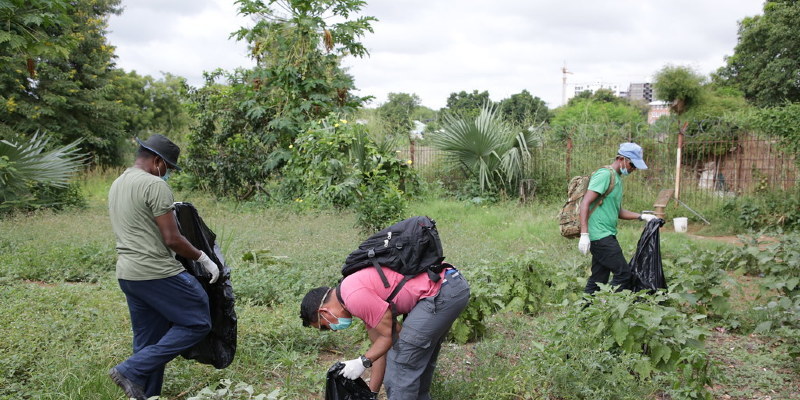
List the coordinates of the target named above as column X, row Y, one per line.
column 612, row 181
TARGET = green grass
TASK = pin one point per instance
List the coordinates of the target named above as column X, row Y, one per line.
column 64, row 321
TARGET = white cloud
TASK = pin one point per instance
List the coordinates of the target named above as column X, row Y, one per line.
column 434, row 48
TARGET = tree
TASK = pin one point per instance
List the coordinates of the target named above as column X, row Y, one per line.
column 524, row 110
column 246, row 127
column 765, row 64
column 27, row 32
column 71, row 97
column 467, row 105
column 396, row 114
column 681, row 86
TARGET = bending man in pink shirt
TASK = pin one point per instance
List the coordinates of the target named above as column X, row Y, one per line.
column 431, row 306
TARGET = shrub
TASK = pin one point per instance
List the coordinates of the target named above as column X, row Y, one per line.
column 699, row 282
column 335, row 163
column 634, row 323
column 525, row 284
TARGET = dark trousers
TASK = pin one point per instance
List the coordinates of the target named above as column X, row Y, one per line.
column 607, row 258
column 168, row 316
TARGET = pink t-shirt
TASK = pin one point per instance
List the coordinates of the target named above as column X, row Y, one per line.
column 365, row 297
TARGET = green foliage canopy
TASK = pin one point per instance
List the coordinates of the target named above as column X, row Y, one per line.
column 244, row 128
column 681, row 86
column 765, row 64
column 523, row 109
column 593, row 112
column 397, row 113
column 69, row 96
column 467, row 105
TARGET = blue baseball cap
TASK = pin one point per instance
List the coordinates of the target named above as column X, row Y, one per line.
column 634, row 152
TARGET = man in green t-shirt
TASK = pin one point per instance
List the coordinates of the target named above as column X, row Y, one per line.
column 599, row 227
column 168, row 306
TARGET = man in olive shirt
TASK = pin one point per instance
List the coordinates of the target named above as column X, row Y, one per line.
column 599, row 222
column 168, row 306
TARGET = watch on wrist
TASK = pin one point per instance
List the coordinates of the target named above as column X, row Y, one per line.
column 366, row 362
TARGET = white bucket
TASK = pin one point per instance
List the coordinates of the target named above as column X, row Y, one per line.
column 681, row 224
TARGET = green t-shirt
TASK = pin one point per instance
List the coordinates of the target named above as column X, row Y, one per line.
column 135, row 199
column 603, row 221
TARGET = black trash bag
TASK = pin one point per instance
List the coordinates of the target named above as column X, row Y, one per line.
column 338, row 387
column 645, row 265
column 219, row 346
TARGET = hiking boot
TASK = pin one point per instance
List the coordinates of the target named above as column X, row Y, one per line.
column 131, row 389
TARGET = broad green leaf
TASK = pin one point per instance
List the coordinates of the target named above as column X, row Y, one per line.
column 620, row 331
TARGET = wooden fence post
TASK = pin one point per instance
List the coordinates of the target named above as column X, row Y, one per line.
column 678, row 161
column 411, row 150
column 569, row 155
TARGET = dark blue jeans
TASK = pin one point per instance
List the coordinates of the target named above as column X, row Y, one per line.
column 607, row 258
column 168, row 316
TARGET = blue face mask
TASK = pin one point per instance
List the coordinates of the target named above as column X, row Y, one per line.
column 624, row 171
column 343, row 323
column 166, row 176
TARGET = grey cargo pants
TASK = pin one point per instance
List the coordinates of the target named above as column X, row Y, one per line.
column 412, row 359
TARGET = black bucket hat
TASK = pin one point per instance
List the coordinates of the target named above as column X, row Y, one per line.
column 164, row 148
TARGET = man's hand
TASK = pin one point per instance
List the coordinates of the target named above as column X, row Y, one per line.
column 647, row 217
column 583, row 244
column 209, row 266
column 353, row 368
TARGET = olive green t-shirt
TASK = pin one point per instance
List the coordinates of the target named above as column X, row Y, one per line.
column 136, row 198
column 603, row 220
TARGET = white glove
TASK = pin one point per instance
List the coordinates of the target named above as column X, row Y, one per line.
column 209, row 266
column 583, row 244
column 353, row 369
column 647, row 217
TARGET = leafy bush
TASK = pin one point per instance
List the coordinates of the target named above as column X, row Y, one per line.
column 768, row 210
column 700, row 282
column 525, row 284
column 634, row 323
column 335, row 163
column 377, row 209
column 490, row 151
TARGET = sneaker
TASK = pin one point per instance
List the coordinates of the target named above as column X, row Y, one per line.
column 131, row 389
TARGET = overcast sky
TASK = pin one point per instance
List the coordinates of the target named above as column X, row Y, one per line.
column 436, row 47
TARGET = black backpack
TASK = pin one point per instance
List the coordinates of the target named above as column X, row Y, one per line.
column 410, row 247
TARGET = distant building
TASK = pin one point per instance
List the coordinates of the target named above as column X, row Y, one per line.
column 641, row 91
column 657, row 110
column 578, row 88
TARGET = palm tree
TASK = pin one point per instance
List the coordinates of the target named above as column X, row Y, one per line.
column 486, row 147
column 23, row 165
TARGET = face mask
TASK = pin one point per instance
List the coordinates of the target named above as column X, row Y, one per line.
column 343, row 323
column 624, row 171
column 166, row 175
